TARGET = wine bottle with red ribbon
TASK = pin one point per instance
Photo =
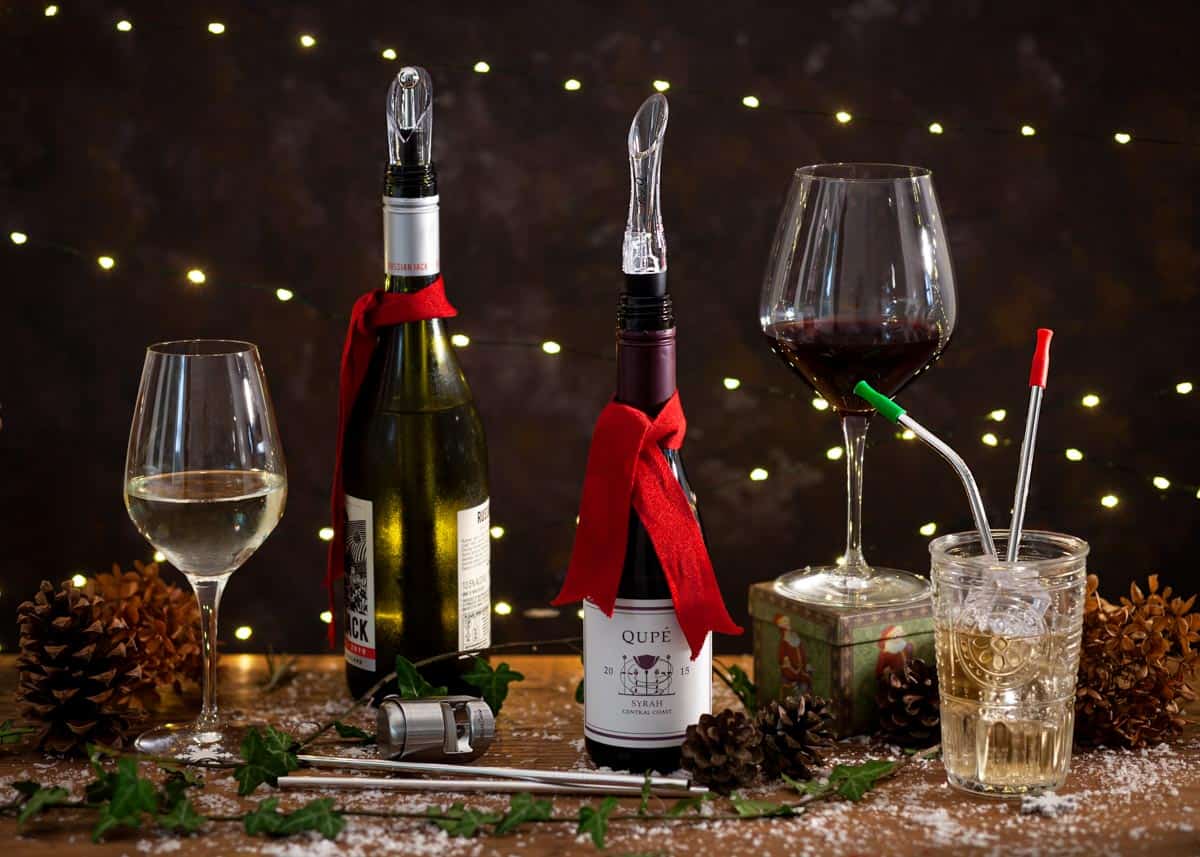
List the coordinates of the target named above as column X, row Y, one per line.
column 410, row 507
column 639, row 562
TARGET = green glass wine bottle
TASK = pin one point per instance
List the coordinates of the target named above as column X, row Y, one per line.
column 415, row 459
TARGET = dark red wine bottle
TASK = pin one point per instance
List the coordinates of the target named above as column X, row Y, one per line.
column 641, row 687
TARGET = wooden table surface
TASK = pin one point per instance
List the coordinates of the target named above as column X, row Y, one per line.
column 1129, row 803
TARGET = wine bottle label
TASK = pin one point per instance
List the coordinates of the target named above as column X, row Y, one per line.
column 411, row 244
column 475, row 577
column 641, row 687
column 360, row 584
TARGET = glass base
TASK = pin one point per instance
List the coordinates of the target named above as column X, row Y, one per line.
column 187, row 742
column 841, row 586
column 1009, row 792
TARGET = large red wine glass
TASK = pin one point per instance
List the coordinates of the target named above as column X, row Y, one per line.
column 858, row 287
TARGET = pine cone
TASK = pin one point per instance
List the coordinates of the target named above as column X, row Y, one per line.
column 1135, row 664
column 723, row 751
column 794, row 733
column 909, row 709
column 78, row 671
column 165, row 619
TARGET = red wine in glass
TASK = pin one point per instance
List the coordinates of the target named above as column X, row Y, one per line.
column 833, row 354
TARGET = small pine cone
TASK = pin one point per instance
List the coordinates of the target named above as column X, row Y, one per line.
column 909, row 708
column 78, row 672
column 723, row 751
column 165, row 619
column 794, row 733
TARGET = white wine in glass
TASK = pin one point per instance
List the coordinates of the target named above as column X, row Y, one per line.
column 205, row 483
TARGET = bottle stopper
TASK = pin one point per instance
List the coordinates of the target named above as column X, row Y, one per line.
column 434, row 729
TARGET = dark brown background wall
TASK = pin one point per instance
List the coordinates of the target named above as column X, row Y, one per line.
column 259, row 162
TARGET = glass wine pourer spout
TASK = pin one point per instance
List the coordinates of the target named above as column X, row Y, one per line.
column 410, row 118
column 645, row 249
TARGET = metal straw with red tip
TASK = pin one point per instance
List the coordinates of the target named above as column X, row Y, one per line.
column 1037, row 386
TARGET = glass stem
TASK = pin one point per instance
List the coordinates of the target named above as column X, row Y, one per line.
column 208, row 594
column 854, row 430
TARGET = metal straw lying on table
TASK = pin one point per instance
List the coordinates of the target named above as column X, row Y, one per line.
column 589, row 780
column 496, row 786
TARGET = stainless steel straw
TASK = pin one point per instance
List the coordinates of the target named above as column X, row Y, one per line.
column 892, row 411
column 590, row 779
column 495, row 786
column 1037, row 386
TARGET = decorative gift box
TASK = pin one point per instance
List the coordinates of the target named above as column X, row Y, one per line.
column 836, row 653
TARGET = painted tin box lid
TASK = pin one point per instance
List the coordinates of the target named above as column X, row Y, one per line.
column 839, row 626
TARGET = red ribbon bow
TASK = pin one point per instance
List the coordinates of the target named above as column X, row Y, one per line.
column 374, row 310
column 626, row 467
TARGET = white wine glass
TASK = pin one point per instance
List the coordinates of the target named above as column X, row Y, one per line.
column 205, row 483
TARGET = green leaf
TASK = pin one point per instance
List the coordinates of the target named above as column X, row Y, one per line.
column 181, row 818
column 268, row 755
column 10, row 734
column 410, row 684
column 854, row 781
column 461, row 820
column 264, row 820
column 318, row 815
column 132, row 797
column 595, row 820
column 645, row 804
column 345, row 730
column 739, row 682
column 806, row 787
column 522, row 807
column 492, row 683
column 579, row 692
column 37, row 798
column 177, row 781
column 747, row 808
column 687, row 804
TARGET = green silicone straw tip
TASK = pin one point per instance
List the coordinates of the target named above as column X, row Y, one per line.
column 889, row 409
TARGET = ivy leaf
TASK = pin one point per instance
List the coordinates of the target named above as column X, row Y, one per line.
column 181, row 818
column 177, row 781
column 686, row 804
column 345, row 730
column 806, row 787
column 747, row 808
column 460, row 820
column 595, row 820
column 739, row 682
column 37, row 798
column 132, row 796
column 492, row 683
column 10, row 734
column 522, row 807
column 645, row 804
column 854, row 781
column 318, row 815
column 579, row 692
column 268, row 755
column 410, row 684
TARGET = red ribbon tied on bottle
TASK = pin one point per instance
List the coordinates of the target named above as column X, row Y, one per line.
column 373, row 311
column 626, row 467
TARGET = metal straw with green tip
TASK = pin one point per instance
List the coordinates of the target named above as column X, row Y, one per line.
column 893, row 412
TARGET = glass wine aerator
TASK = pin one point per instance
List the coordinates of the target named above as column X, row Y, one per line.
column 410, row 117
column 645, row 249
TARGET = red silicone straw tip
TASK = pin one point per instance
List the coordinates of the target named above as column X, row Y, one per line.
column 1041, row 358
